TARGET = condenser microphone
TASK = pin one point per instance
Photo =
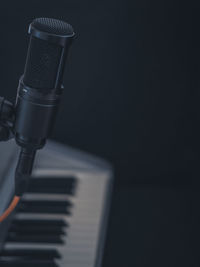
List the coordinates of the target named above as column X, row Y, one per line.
column 39, row 91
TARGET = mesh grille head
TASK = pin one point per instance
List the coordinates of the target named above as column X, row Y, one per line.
column 42, row 64
column 52, row 26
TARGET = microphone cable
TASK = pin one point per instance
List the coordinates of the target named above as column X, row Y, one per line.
column 10, row 208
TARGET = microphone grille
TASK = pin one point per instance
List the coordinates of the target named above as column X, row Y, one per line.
column 42, row 64
column 52, row 26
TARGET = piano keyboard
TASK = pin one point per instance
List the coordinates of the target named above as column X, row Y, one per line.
column 61, row 219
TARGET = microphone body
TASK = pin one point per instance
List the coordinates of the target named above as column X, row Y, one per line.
column 39, row 90
column 35, row 115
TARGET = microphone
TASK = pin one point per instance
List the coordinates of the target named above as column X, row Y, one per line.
column 39, row 91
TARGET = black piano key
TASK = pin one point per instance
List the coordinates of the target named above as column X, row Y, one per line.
column 52, row 185
column 44, row 206
column 37, row 229
column 39, row 222
column 41, row 254
column 26, row 263
column 34, row 238
column 61, row 203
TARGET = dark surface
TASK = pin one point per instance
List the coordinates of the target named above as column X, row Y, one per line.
column 131, row 96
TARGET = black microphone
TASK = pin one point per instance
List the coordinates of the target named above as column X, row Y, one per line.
column 39, row 91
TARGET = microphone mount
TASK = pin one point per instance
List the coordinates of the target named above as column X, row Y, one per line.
column 7, row 119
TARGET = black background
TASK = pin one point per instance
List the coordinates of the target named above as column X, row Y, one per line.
column 132, row 97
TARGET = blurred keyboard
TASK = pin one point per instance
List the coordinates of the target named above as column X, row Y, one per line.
column 61, row 220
